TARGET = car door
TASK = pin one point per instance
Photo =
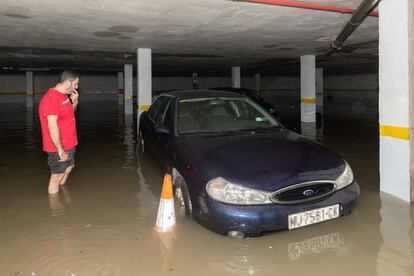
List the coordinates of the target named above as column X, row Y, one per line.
column 151, row 120
column 162, row 140
column 158, row 118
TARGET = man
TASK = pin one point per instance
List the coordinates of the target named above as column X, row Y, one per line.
column 57, row 120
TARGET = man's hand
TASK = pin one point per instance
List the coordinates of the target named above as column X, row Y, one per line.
column 74, row 96
column 63, row 155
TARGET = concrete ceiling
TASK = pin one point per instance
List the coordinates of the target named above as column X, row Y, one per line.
column 185, row 35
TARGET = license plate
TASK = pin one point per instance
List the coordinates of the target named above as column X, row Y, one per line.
column 313, row 216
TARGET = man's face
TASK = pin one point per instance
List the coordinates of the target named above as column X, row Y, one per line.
column 72, row 85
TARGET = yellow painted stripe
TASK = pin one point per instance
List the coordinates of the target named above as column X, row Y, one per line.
column 143, row 107
column 308, row 101
column 395, row 132
column 127, row 98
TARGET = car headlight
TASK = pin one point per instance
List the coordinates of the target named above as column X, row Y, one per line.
column 346, row 178
column 227, row 192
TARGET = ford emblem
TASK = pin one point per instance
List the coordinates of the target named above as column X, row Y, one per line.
column 308, row 192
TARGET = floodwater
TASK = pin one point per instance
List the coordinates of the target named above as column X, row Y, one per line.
column 102, row 221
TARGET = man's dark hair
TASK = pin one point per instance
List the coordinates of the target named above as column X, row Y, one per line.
column 67, row 75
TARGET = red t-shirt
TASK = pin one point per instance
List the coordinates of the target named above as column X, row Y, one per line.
column 57, row 103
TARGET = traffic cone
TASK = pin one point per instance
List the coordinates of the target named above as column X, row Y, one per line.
column 166, row 213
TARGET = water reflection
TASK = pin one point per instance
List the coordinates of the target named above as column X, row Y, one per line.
column 102, row 223
column 58, row 202
column 166, row 240
column 29, row 118
column 333, row 242
column 129, row 142
column 147, row 200
column 395, row 256
column 56, row 205
column 30, row 140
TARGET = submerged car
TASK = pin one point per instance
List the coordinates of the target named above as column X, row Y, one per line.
column 237, row 170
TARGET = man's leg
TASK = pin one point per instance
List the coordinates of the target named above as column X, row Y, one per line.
column 66, row 174
column 71, row 165
column 54, row 182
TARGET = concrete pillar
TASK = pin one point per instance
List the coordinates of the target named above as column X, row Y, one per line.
column 319, row 103
column 257, row 81
column 308, row 100
column 144, row 81
column 29, row 89
column 235, row 77
column 396, row 100
column 195, row 81
column 129, row 82
column 120, row 89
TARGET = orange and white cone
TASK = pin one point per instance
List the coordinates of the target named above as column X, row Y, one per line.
column 166, row 213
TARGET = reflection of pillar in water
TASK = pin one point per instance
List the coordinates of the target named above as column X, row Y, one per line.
column 29, row 90
column 128, row 121
column 29, row 119
column 395, row 256
column 129, row 142
column 29, row 128
column 128, row 89
column 121, row 116
column 120, row 90
column 147, row 200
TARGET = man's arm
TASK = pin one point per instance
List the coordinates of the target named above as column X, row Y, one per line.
column 55, row 136
column 74, row 98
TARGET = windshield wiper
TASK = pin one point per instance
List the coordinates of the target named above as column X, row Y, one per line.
column 200, row 132
column 257, row 128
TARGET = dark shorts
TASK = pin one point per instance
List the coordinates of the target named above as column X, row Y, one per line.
column 57, row 166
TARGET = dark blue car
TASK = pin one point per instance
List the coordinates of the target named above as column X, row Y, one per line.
column 237, row 170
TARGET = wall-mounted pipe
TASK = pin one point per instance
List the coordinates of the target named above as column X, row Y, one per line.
column 357, row 18
column 306, row 5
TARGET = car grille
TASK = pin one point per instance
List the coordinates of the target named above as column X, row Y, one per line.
column 303, row 192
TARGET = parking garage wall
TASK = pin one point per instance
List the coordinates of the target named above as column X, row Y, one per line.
column 93, row 87
column 345, row 96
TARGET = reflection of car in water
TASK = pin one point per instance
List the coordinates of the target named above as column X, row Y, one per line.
column 253, row 95
column 237, row 170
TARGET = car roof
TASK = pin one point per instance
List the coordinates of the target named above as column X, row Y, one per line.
column 228, row 88
column 189, row 94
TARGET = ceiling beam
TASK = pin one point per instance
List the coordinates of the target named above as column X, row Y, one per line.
column 306, row 5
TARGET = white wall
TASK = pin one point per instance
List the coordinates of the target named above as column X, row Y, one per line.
column 348, row 96
column 92, row 87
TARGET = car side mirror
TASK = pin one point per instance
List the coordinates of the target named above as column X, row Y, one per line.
column 161, row 131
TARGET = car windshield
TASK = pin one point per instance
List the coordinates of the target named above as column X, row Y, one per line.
column 205, row 115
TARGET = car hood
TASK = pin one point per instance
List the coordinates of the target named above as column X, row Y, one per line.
column 267, row 160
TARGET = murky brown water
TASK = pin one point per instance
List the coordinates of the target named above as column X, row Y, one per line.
column 102, row 222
